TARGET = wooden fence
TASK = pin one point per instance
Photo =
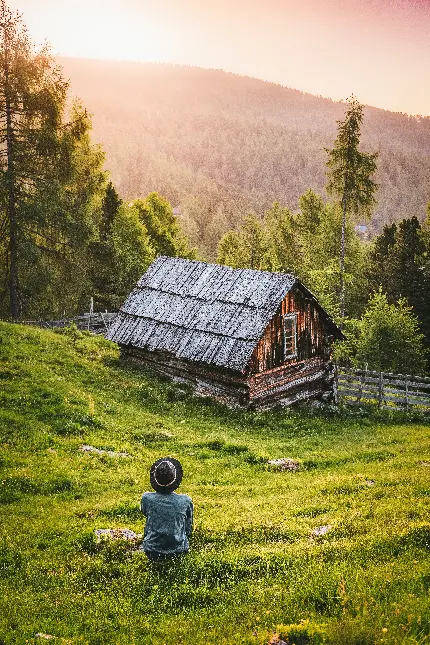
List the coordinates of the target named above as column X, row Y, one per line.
column 97, row 323
column 393, row 391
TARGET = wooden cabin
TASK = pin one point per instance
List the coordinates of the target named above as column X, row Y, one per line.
column 246, row 337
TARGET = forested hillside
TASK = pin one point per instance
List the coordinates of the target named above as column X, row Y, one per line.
column 217, row 144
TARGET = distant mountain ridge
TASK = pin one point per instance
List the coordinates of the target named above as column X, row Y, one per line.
column 220, row 144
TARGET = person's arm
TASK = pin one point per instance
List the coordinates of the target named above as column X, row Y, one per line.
column 189, row 519
column 143, row 505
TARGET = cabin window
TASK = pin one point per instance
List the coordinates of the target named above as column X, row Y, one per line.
column 290, row 335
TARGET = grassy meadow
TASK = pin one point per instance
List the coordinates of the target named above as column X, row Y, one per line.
column 255, row 569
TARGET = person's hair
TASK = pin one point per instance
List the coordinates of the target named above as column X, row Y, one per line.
column 165, row 473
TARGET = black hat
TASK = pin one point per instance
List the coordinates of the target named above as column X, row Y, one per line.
column 165, row 475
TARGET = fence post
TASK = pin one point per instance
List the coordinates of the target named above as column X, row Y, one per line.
column 407, row 393
column 335, row 383
column 381, row 389
column 361, row 386
column 104, row 321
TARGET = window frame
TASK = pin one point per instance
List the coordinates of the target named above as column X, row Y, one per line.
column 293, row 337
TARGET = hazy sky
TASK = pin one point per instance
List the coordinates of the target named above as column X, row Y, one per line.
column 377, row 49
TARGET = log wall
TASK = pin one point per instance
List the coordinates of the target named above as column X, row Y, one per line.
column 222, row 384
column 292, row 382
column 284, row 385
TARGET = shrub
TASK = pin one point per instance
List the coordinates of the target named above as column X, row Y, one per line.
column 390, row 338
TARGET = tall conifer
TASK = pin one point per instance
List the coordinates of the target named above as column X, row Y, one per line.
column 349, row 177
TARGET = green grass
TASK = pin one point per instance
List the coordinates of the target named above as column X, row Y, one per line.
column 254, row 568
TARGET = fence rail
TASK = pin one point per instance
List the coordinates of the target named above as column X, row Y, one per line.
column 97, row 323
column 387, row 390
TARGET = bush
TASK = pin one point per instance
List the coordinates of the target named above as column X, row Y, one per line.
column 386, row 339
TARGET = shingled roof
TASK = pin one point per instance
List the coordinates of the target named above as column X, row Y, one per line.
column 199, row 311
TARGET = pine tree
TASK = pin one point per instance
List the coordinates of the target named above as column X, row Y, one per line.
column 349, row 177
column 380, row 269
column 110, row 207
column 409, row 271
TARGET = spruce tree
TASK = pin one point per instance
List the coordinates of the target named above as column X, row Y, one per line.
column 321, row 270
column 409, row 271
column 31, row 94
column 308, row 220
column 247, row 248
column 398, row 263
column 380, row 265
column 110, row 207
column 283, row 252
column 104, row 273
column 349, row 178
column 231, row 251
column 255, row 242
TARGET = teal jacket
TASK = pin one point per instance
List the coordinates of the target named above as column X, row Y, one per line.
column 169, row 522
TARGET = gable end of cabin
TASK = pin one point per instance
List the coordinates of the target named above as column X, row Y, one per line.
column 292, row 360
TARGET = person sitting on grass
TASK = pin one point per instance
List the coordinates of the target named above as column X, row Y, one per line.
column 169, row 515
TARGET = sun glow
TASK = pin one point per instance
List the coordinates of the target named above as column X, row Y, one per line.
column 377, row 49
column 98, row 29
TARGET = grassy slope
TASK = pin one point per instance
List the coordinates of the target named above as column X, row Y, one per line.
column 253, row 565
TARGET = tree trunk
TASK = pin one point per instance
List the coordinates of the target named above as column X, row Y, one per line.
column 342, row 260
column 15, row 303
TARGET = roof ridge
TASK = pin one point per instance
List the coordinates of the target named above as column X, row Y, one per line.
column 225, row 266
column 173, row 293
